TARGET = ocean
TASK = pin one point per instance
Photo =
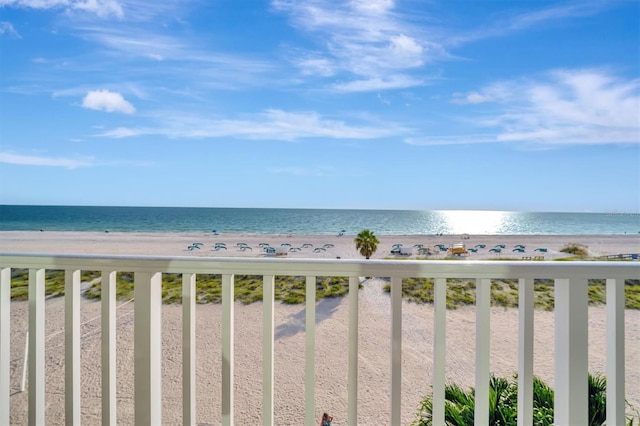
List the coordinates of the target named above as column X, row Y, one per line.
column 311, row 221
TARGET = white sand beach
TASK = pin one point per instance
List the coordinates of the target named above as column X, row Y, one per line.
column 331, row 337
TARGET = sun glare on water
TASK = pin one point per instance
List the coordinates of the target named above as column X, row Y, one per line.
column 473, row 221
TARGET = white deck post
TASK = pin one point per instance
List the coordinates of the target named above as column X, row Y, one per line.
column 396, row 350
column 439, row 349
column 571, row 363
column 268, row 335
column 108, row 327
column 189, row 349
column 483, row 336
column 615, row 352
column 5, row 341
column 72, row 347
column 525, row 352
column 227, row 349
column 352, row 398
column 36, row 347
column 148, row 348
column 310, row 351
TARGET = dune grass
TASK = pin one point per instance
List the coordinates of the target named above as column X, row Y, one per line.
column 291, row 290
column 504, row 293
column 247, row 288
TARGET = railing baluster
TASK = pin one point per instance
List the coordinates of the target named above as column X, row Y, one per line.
column 525, row 352
column 615, row 352
column 36, row 346
column 310, row 351
column 148, row 348
column 72, row 347
column 188, row 349
column 571, row 341
column 268, row 334
column 483, row 336
column 5, row 341
column 227, row 349
column 108, row 327
column 396, row 350
column 439, row 348
column 352, row 397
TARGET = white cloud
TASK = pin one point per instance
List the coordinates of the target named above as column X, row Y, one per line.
column 366, row 39
column 30, row 160
column 105, row 100
column 102, row 8
column 7, row 28
column 272, row 124
column 583, row 106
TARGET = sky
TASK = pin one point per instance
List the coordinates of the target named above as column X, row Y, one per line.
column 527, row 105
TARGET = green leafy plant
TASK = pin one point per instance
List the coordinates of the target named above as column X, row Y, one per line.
column 503, row 404
column 366, row 243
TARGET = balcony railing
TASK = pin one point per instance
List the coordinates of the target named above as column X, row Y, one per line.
column 571, row 331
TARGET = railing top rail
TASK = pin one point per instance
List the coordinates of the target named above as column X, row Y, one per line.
column 327, row 267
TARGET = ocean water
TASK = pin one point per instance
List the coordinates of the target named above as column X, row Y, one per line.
column 311, row 221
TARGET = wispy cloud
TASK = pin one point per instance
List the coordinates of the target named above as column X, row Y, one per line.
column 364, row 40
column 105, row 100
column 585, row 106
column 506, row 24
column 102, row 8
column 272, row 124
column 30, row 160
column 7, row 28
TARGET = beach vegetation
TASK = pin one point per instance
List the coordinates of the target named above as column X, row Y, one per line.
column 575, row 249
column 247, row 288
column 504, row 293
column 366, row 243
column 503, row 403
column 291, row 289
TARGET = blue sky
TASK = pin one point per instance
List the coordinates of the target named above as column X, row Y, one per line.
column 406, row 104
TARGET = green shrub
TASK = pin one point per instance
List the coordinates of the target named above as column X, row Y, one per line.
column 503, row 404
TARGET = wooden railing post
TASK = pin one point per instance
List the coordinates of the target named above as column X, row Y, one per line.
column 5, row 340
column 615, row 352
column 227, row 349
column 525, row 352
column 571, row 341
column 148, row 348
column 189, row 349
column 36, row 347
column 72, row 347
column 310, row 351
column 108, row 326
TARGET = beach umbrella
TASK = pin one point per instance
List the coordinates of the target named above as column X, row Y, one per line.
column 328, row 245
column 263, row 245
column 480, row 246
column 307, row 245
column 285, row 244
column 518, row 249
column 396, row 245
column 542, row 250
column 292, row 249
column 319, row 249
column 495, row 250
column 500, row 246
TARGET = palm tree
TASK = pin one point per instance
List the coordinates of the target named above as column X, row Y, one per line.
column 366, row 243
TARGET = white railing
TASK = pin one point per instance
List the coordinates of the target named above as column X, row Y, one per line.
column 571, row 330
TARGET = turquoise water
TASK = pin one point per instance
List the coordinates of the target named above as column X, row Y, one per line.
column 311, row 221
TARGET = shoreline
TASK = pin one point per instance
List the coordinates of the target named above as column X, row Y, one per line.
column 315, row 246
